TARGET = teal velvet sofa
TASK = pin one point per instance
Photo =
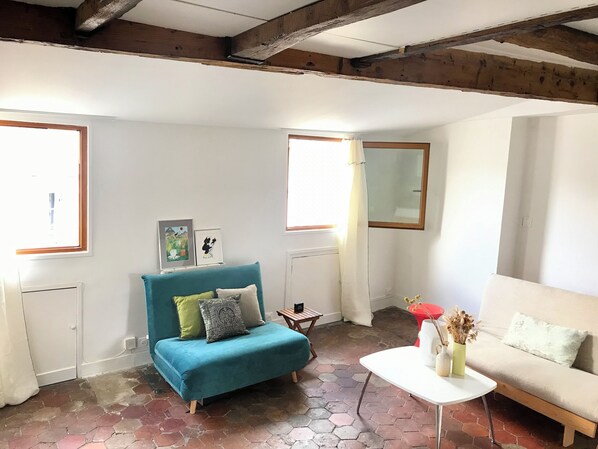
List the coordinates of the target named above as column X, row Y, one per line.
column 198, row 370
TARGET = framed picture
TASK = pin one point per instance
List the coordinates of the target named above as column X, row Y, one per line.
column 175, row 242
column 208, row 246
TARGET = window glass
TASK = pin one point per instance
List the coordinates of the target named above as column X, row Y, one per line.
column 317, row 170
column 46, row 175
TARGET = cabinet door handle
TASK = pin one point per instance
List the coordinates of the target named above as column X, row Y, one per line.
column 73, row 327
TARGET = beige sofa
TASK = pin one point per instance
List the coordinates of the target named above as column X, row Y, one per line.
column 567, row 395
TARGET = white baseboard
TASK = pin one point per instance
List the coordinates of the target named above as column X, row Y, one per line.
column 53, row 377
column 384, row 302
column 122, row 362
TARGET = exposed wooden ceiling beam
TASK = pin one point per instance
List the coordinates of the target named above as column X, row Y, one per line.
column 461, row 70
column 278, row 34
column 452, row 69
column 496, row 33
column 92, row 14
column 561, row 40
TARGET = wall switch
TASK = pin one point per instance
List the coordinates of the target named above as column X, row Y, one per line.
column 130, row 343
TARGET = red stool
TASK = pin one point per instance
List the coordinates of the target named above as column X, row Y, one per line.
column 419, row 312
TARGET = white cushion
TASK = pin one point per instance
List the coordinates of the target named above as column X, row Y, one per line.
column 569, row 388
column 505, row 295
column 250, row 307
column 549, row 341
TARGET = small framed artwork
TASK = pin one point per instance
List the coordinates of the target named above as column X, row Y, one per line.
column 175, row 242
column 208, row 246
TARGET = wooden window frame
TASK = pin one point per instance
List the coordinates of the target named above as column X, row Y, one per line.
column 83, row 170
column 425, row 146
column 301, row 137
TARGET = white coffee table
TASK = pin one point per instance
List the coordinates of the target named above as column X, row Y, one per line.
column 403, row 368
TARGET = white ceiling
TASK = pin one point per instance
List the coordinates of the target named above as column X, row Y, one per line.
column 52, row 79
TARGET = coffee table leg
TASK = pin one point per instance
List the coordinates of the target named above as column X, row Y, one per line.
column 438, row 424
column 489, row 419
column 367, row 379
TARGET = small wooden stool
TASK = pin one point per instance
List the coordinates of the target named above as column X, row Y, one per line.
column 294, row 321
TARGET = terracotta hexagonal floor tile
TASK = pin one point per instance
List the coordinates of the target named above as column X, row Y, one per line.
column 81, row 426
column 346, row 432
column 46, row 414
column 351, row 444
column 530, row 443
column 119, row 441
column 302, row 433
column 389, row 432
column 318, row 413
column 371, row 440
column 475, row 430
column 91, row 412
column 315, row 402
column 304, row 445
column 167, row 439
column 327, row 377
column 71, row 442
column 94, row 446
column 383, row 418
column 325, row 368
column 406, row 425
column 52, row 435
column 258, row 435
column 417, row 439
column 337, row 407
column 34, row 428
column 108, row 419
column 321, row 426
column 172, row 425
column 23, row 442
column 299, row 420
column 127, row 425
column 157, row 406
column 146, row 444
column 459, row 438
column 99, row 434
column 326, row 440
column 341, row 419
column 134, row 411
column 279, row 428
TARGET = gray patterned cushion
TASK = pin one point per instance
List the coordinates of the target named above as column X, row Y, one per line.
column 222, row 317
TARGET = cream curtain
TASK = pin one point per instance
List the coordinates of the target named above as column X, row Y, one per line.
column 353, row 242
column 17, row 378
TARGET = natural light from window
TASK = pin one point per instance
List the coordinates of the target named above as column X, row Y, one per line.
column 317, row 173
column 41, row 168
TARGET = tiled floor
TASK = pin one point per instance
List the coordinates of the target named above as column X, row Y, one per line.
column 136, row 409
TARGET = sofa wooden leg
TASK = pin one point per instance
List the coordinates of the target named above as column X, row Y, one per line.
column 294, row 376
column 192, row 407
column 568, row 436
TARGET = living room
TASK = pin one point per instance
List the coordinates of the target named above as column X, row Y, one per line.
column 511, row 188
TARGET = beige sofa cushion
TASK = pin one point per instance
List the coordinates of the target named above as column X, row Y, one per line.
column 569, row 388
column 504, row 296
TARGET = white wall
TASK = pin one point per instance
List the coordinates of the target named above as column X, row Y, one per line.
column 140, row 173
column 512, row 214
column 560, row 197
column 450, row 261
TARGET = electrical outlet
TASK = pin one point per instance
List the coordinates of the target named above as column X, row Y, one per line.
column 143, row 342
column 130, row 343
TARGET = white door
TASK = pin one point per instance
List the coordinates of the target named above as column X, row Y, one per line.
column 51, row 321
column 315, row 281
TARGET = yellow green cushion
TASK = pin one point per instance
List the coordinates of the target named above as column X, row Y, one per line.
column 190, row 320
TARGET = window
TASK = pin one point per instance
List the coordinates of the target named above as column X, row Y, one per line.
column 44, row 166
column 316, row 182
